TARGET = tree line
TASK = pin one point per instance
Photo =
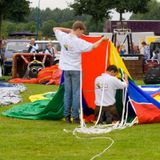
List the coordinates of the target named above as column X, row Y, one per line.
column 94, row 13
column 46, row 20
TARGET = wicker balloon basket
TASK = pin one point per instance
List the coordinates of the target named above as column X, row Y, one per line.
column 27, row 65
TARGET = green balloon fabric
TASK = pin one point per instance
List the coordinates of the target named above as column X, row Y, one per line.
column 42, row 109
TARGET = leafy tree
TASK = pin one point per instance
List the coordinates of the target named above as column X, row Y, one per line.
column 136, row 6
column 64, row 17
column 93, row 28
column 100, row 9
column 32, row 16
column 8, row 27
column 47, row 28
column 31, row 26
column 152, row 14
column 67, row 24
column 46, row 14
column 14, row 10
column 97, row 9
column 61, row 17
column 20, row 27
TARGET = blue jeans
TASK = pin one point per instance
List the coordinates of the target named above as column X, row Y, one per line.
column 71, row 93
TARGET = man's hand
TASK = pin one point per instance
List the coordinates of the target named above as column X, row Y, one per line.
column 96, row 44
column 105, row 38
column 126, row 78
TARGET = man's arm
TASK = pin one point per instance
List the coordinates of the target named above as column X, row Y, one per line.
column 55, row 50
column 67, row 30
column 97, row 43
column 126, row 78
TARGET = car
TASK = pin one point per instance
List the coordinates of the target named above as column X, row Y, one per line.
column 21, row 46
column 12, row 46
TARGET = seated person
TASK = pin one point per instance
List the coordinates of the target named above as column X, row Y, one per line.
column 135, row 49
column 122, row 50
column 109, row 83
column 33, row 47
column 51, row 49
column 145, row 50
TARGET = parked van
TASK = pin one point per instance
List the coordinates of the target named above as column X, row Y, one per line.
column 12, row 46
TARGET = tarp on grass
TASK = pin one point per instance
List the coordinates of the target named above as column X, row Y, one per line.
column 10, row 93
column 41, row 109
column 146, row 108
column 43, row 96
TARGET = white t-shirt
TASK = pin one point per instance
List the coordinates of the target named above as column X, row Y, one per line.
column 111, row 84
column 71, row 49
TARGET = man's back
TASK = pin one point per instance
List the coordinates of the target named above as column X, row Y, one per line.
column 109, row 84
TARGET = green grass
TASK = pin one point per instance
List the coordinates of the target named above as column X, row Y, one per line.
column 45, row 140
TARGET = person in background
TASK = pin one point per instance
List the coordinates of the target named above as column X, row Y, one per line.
column 135, row 49
column 70, row 62
column 122, row 49
column 107, row 84
column 33, row 47
column 51, row 50
column 2, row 48
column 145, row 50
column 156, row 55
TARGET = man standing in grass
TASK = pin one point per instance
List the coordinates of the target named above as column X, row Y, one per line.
column 70, row 62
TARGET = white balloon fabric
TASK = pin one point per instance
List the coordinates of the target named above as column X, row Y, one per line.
column 9, row 93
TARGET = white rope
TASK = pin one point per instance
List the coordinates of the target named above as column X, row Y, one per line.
column 124, row 96
column 107, row 56
column 101, row 104
column 82, row 123
column 125, row 110
column 93, row 138
column 99, row 129
column 99, row 154
column 126, row 117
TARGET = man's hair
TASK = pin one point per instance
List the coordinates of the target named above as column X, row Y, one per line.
column 78, row 25
column 112, row 68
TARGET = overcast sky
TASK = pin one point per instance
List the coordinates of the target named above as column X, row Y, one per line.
column 64, row 4
column 51, row 3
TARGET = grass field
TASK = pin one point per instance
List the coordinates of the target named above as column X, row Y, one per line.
column 46, row 140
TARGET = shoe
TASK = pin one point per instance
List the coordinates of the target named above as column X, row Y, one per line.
column 68, row 119
column 76, row 121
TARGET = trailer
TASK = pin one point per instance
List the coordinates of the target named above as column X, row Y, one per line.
column 134, row 25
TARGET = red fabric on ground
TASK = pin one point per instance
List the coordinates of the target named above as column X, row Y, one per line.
column 48, row 75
